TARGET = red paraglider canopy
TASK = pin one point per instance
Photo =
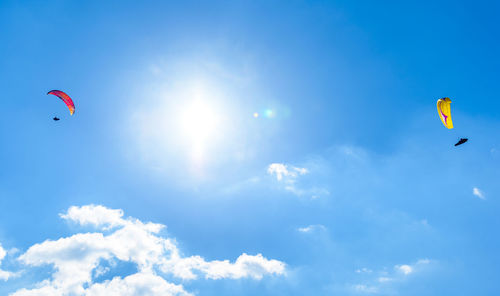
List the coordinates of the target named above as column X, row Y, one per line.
column 65, row 98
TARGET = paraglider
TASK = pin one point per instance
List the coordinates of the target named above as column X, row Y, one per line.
column 461, row 141
column 55, row 119
column 65, row 98
column 444, row 111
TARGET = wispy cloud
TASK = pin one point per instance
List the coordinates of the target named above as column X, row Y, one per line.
column 364, row 270
column 311, row 228
column 384, row 279
column 479, row 193
column 286, row 172
column 365, row 289
column 378, row 281
column 78, row 258
column 289, row 176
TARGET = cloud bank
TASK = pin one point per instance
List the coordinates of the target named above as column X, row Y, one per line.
column 79, row 260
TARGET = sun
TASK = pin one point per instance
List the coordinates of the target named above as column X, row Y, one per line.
column 198, row 121
column 198, row 124
column 189, row 127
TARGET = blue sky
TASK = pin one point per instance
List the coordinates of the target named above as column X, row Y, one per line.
column 249, row 148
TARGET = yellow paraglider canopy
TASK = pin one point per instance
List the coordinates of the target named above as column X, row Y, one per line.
column 444, row 110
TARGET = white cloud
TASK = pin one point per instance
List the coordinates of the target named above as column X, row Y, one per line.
column 290, row 173
column 405, row 269
column 384, row 279
column 97, row 216
column 245, row 266
column 142, row 283
column 380, row 281
column 4, row 275
column 311, row 228
column 77, row 257
column 364, row 270
column 365, row 289
column 477, row 192
column 2, row 253
column 101, row 270
column 423, row 261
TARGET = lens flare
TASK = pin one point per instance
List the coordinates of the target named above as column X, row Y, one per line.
column 269, row 113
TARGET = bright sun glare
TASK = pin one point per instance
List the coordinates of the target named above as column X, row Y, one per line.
column 198, row 121
column 198, row 124
column 187, row 128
